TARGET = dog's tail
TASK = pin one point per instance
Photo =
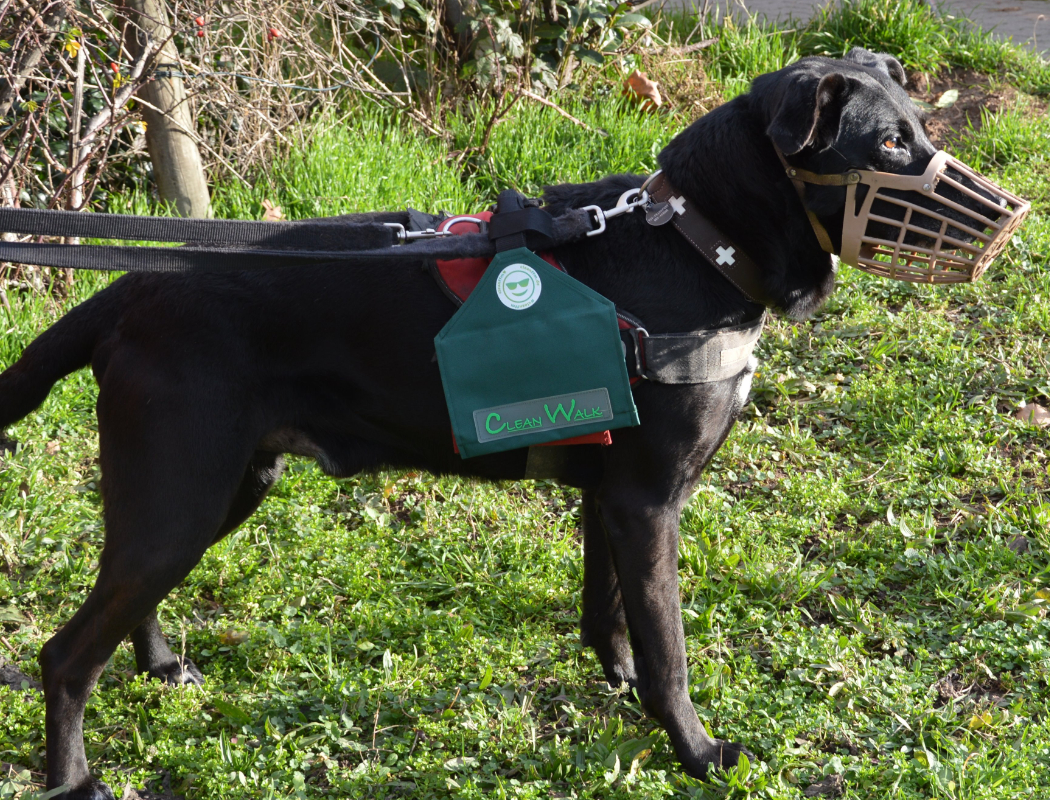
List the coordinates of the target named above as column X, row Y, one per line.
column 63, row 348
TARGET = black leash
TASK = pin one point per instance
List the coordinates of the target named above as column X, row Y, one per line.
column 236, row 245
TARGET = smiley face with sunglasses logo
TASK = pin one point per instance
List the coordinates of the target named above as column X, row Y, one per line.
column 518, row 286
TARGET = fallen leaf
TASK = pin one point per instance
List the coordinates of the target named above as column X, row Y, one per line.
column 16, row 680
column 947, row 100
column 52, row 448
column 1019, row 544
column 1033, row 414
column 232, row 636
column 831, row 786
column 461, row 762
column 12, row 614
column 641, row 88
column 273, row 212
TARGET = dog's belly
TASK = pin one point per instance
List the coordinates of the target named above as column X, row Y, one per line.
column 296, row 442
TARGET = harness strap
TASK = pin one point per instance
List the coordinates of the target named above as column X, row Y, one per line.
column 695, row 357
column 736, row 265
column 517, row 225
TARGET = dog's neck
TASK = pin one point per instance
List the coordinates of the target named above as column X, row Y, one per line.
column 727, row 166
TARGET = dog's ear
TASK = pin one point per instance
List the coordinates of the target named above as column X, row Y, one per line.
column 808, row 113
column 880, row 61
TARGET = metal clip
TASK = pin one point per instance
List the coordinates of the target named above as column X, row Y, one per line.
column 627, row 203
column 399, row 231
column 408, row 236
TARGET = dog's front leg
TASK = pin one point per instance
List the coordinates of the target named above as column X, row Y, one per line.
column 642, row 531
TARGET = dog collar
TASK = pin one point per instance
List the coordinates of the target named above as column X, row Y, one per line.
column 667, row 204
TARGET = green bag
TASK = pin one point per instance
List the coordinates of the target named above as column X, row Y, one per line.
column 532, row 356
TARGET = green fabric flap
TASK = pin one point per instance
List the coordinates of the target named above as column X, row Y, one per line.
column 532, row 356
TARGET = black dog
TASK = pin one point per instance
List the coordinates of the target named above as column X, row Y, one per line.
column 205, row 381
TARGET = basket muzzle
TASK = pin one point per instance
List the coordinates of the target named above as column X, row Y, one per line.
column 944, row 226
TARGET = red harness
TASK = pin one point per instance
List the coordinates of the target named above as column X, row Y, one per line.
column 459, row 277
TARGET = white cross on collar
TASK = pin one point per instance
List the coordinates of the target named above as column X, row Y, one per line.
column 725, row 255
column 678, row 204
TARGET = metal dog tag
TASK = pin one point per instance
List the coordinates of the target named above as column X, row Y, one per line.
column 659, row 213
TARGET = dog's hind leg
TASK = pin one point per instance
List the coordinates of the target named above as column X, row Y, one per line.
column 153, row 655
column 171, row 468
column 603, row 625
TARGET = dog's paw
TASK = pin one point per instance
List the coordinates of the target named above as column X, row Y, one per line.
column 719, row 755
column 94, row 789
column 180, row 672
column 622, row 676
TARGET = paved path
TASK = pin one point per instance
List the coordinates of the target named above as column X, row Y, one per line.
column 1027, row 22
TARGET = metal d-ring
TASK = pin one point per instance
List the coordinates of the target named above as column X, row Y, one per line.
column 446, row 223
column 649, row 180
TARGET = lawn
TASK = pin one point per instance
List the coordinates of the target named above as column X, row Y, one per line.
column 864, row 569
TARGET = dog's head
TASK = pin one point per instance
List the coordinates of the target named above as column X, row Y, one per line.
column 832, row 116
column 829, row 117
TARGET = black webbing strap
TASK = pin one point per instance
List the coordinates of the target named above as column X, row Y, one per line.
column 235, row 245
column 39, row 222
column 108, row 258
column 689, row 358
column 516, row 225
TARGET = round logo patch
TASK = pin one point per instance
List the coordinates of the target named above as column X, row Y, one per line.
column 518, row 286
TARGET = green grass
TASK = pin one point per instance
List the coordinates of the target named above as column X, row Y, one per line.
column 922, row 40
column 854, row 598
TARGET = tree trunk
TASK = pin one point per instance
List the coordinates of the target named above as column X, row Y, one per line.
column 177, row 166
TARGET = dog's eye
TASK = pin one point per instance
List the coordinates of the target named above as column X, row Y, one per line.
column 892, row 142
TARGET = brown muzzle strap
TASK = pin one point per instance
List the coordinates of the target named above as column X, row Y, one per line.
column 799, row 178
column 713, row 245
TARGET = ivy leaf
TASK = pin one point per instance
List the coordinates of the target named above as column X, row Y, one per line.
column 587, row 56
column 634, row 20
